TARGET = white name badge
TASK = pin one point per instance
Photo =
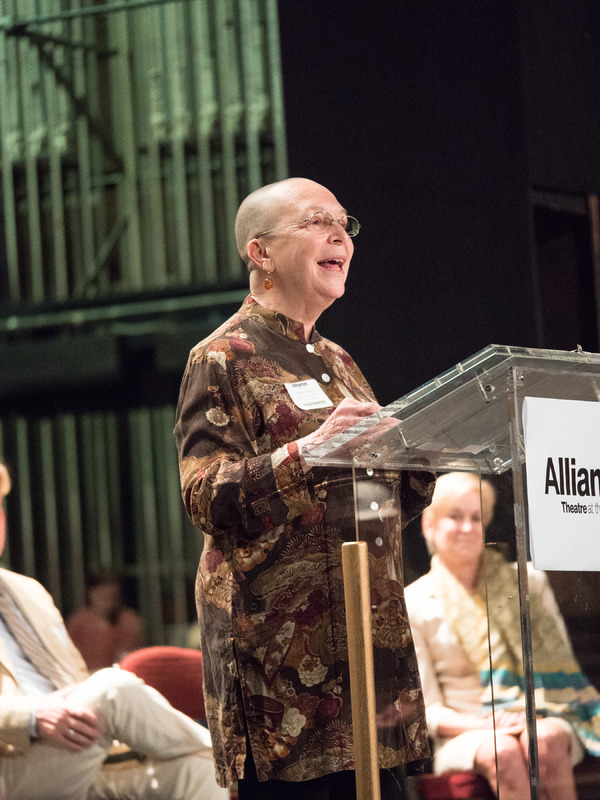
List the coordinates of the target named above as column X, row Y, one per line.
column 308, row 394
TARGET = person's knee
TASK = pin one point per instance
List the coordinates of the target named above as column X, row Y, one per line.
column 504, row 756
column 553, row 740
column 106, row 685
column 554, row 748
column 485, row 758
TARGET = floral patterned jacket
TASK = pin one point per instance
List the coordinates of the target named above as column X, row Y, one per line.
column 269, row 588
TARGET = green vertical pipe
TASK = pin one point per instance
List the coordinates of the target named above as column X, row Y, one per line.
column 276, row 90
column 114, row 504
column 26, row 498
column 229, row 117
column 95, row 87
column 206, row 119
column 255, row 100
column 58, row 286
column 102, row 468
column 85, row 231
column 34, row 134
column 10, row 135
column 179, row 129
column 167, row 484
column 146, row 523
column 124, row 128
column 137, row 517
column 86, row 439
column 55, row 571
column 72, row 520
column 152, row 84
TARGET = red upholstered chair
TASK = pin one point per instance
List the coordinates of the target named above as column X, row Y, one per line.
column 453, row 786
column 176, row 672
column 469, row 786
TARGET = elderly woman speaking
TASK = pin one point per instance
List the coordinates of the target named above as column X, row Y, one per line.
column 269, row 588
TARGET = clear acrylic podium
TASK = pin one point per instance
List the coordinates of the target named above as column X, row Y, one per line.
column 467, row 419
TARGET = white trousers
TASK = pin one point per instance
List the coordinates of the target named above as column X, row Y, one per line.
column 179, row 764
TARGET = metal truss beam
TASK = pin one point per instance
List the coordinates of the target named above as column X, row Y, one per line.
column 118, row 311
column 12, row 27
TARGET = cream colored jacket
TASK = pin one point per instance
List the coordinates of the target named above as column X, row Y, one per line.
column 38, row 607
column 448, row 677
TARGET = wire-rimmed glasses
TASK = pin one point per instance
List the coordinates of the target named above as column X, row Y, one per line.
column 322, row 221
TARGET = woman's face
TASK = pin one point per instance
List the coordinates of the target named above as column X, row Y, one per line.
column 310, row 266
column 456, row 531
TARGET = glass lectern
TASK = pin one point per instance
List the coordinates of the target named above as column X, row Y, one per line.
column 467, row 419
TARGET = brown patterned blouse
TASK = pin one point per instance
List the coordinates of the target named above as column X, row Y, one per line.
column 269, row 588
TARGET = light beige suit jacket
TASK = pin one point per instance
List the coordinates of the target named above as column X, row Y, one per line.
column 38, row 608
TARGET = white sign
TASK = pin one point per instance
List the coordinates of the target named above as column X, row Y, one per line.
column 562, row 446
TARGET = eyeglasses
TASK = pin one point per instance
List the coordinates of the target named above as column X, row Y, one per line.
column 321, row 222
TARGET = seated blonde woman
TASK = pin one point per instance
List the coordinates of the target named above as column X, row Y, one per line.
column 449, row 620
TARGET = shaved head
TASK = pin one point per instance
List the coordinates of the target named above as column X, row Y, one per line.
column 264, row 208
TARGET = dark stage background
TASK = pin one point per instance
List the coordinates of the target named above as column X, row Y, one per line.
column 464, row 136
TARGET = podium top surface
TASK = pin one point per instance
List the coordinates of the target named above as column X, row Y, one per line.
column 461, row 419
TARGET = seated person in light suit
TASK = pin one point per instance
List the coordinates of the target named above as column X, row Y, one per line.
column 449, row 620
column 57, row 723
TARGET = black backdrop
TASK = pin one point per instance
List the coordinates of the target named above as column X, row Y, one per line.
column 432, row 121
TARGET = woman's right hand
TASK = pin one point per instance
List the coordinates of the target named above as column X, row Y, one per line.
column 347, row 414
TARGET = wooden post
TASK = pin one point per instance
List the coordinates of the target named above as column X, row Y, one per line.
column 362, row 676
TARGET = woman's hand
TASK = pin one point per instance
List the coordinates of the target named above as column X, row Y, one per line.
column 347, row 414
column 452, row 723
column 509, row 721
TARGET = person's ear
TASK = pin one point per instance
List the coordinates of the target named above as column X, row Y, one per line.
column 258, row 253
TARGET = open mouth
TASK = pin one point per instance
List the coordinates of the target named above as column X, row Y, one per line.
column 332, row 263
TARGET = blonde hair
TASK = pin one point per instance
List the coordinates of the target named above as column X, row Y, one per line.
column 455, row 484
column 5, row 483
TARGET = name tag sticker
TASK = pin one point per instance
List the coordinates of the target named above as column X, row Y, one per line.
column 308, row 395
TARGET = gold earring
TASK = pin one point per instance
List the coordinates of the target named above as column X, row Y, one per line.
column 268, row 282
